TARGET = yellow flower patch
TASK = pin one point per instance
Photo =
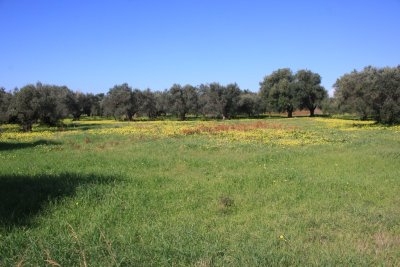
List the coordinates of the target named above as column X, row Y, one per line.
column 11, row 132
column 275, row 132
column 345, row 124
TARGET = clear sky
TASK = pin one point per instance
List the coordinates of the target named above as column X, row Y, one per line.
column 90, row 46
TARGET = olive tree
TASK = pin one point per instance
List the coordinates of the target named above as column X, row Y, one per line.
column 310, row 93
column 219, row 101
column 183, row 100
column 370, row 93
column 45, row 104
column 249, row 104
column 148, row 104
column 5, row 100
column 122, row 102
column 278, row 91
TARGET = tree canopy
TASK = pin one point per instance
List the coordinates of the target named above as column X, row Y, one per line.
column 39, row 103
column 371, row 93
column 310, row 93
column 122, row 102
column 5, row 100
column 283, row 91
column 183, row 100
column 279, row 92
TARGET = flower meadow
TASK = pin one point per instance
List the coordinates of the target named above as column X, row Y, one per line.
column 270, row 132
column 262, row 192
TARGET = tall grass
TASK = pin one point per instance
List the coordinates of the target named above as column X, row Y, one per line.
column 237, row 193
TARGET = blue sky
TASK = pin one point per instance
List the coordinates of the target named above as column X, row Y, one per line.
column 92, row 45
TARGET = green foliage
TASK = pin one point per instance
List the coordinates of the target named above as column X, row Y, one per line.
column 219, row 101
column 148, row 104
column 52, row 106
column 162, row 99
column 83, row 104
column 5, row 100
column 371, row 93
column 122, row 102
column 25, row 105
column 211, row 101
column 183, row 100
column 279, row 91
column 231, row 95
column 41, row 103
column 249, row 104
column 309, row 90
column 283, row 91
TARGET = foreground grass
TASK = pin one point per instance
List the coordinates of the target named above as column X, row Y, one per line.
column 239, row 193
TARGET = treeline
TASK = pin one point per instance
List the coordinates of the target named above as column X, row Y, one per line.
column 48, row 104
column 371, row 93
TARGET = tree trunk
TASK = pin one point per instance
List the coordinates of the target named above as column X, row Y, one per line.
column 130, row 115
column 289, row 110
column 27, row 126
column 182, row 116
column 312, row 110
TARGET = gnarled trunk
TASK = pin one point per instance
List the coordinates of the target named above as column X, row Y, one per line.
column 312, row 110
column 290, row 110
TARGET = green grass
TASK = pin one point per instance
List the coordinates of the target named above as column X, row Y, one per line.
column 119, row 200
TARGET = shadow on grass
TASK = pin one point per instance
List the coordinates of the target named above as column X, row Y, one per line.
column 86, row 126
column 4, row 146
column 24, row 197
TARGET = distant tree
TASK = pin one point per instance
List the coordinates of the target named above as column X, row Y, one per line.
column 350, row 94
column 81, row 104
column 96, row 101
column 219, row 101
column 136, row 101
column 211, row 101
column 52, row 105
column 278, row 91
column 121, row 102
column 25, row 106
column 148, row 104
column 40, row 103
column 162, row 99
column 249, row 104
column 329, row 106
column 5, row 100
column 183, row 100
column 309, row 90
column 231, row 95
column 87, row 100
column 74, row 105
column 387, row 102
column 371, row 93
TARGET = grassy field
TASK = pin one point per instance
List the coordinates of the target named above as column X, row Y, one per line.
column 291, row 192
